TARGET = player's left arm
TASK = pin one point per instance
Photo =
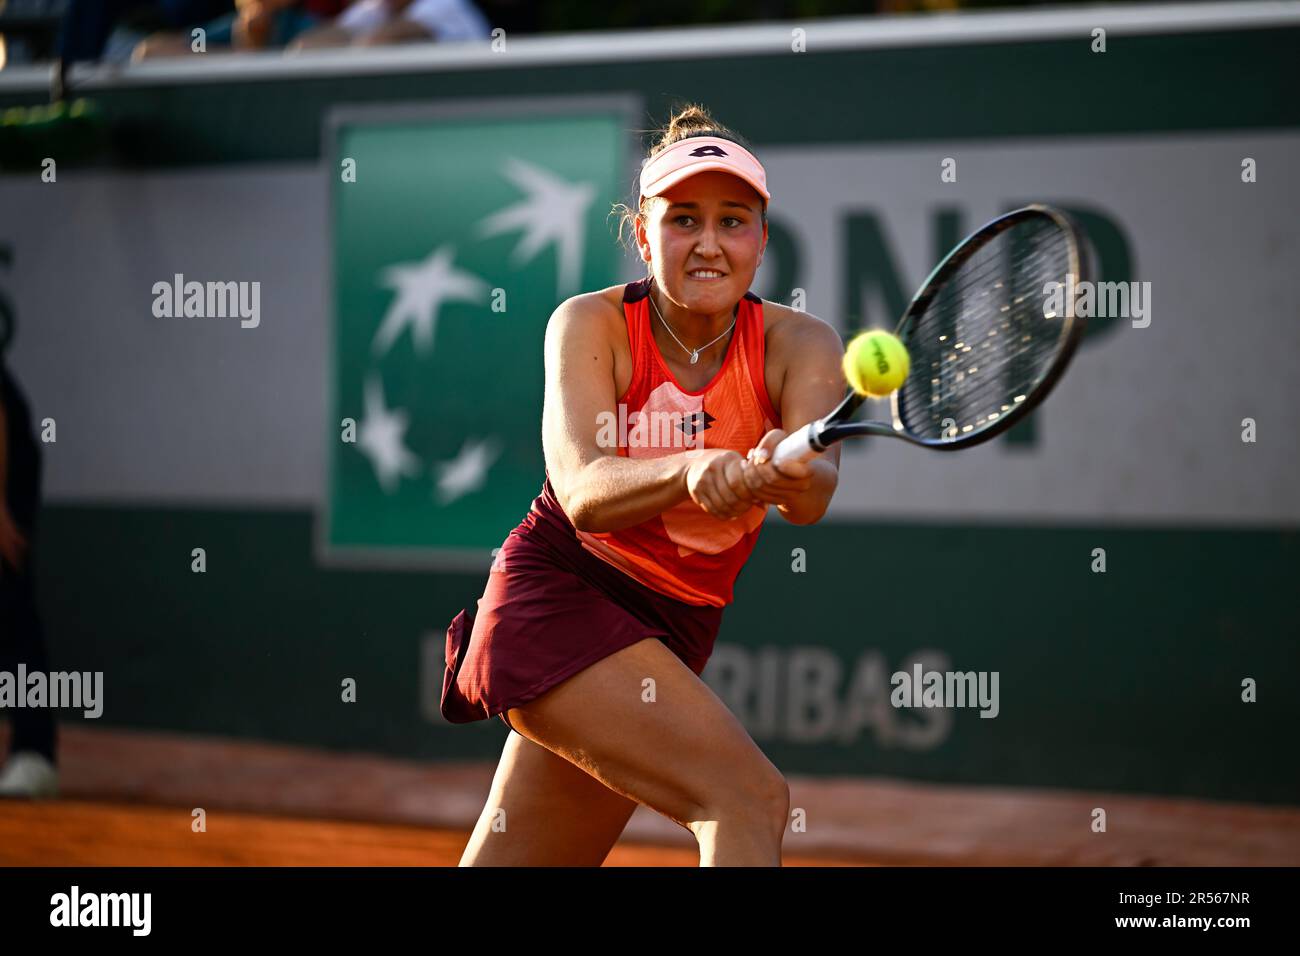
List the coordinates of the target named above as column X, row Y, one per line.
column 813, row 384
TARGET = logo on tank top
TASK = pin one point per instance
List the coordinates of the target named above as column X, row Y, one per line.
column 696, row 422
column 651, row 428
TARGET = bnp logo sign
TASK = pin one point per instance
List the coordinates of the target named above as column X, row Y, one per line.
column 454, row 239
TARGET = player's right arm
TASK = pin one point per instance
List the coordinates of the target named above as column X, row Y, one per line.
column 599, row 489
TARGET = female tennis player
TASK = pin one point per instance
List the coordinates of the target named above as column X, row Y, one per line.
column 602, row 607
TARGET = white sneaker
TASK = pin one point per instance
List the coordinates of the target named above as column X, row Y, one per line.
column 28, row 774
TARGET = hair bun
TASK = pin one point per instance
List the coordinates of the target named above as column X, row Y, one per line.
column 689, row 120
column 692, row 120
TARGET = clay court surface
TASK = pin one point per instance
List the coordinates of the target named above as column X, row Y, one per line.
column 127, row 800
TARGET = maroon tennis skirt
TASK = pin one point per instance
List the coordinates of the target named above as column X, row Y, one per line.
column 551, row 609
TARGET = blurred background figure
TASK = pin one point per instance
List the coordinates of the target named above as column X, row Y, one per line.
column 110, row 29
column 253, row 25
column 30, row 770
column 378, row 22
column 28, row 30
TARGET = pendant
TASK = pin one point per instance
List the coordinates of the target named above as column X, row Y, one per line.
column 695, row 356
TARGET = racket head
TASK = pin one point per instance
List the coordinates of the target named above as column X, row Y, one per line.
column 940, row 387
column 1054, row 247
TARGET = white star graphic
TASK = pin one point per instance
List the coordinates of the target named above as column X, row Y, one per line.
column 380, row 439
column 422, row 288
column 553, row 212
column 467, row 471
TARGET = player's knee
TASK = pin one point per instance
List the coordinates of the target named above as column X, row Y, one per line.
column 760, row 800
column 778, row 802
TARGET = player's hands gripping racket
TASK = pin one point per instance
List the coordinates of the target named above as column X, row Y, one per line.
column 984, row 346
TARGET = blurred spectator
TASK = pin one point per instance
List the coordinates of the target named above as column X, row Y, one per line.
column 377, row 22
column 30, row 770
column 29, row 30
column 254, row 25
column 88, row 24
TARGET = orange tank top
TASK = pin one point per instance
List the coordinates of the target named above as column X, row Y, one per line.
column 685, row 552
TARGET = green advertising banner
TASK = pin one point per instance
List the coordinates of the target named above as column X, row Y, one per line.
column 455, row 237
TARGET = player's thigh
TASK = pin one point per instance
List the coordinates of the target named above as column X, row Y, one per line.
column 542, row 810
column 646, row 726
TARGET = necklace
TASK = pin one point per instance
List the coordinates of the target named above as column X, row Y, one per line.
column 695, row 353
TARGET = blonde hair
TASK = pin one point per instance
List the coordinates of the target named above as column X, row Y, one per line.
column 691, row 120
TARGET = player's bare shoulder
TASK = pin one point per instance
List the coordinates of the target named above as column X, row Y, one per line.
column 590, row 317
column 791, row 334
column 586, row 333
column 598, row 306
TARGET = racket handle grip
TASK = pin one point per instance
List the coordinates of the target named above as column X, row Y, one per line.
column 800, row 445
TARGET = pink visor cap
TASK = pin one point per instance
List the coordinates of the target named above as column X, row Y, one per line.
column 700, row 154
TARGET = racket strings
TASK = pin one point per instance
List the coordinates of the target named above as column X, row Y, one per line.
column 987, row 338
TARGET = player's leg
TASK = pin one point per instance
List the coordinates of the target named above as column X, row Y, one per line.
column 679, row 751
column 30, row 770
column 544, row 811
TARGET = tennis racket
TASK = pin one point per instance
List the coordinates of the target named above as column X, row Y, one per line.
column 985, row 345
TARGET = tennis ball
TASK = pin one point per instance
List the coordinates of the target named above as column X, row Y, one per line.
column 876, row 363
